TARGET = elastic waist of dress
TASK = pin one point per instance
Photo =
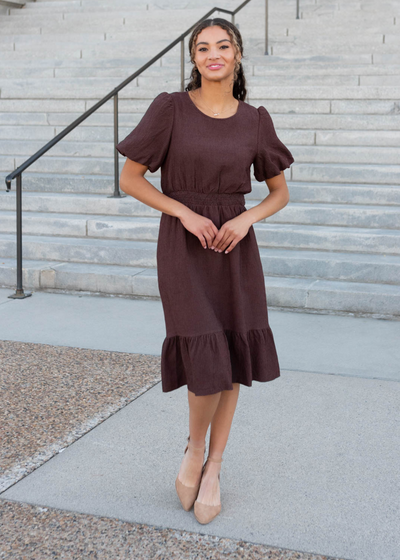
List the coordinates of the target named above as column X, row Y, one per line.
column 208, row 199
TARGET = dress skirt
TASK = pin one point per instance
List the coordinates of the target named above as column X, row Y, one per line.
column 215, row 306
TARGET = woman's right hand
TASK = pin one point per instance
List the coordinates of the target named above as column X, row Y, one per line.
column 203, row 228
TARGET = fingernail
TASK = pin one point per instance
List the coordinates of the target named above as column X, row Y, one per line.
column 212, row 246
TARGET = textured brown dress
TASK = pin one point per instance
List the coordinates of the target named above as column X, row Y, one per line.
column 215, row 304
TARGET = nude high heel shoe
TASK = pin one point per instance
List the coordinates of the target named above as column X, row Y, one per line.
column 187, row 494
column 205, row 513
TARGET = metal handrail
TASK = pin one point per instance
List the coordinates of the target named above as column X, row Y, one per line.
column 17, row 173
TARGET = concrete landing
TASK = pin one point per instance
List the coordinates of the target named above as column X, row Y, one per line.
column 307, row 342
column 312, row 460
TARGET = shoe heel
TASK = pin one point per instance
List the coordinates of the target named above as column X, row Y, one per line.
column 187, row 494
column 204, row 513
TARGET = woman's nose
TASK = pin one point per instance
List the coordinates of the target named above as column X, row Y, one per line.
column 213, row 53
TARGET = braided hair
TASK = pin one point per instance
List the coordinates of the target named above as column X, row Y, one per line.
column 239, row 85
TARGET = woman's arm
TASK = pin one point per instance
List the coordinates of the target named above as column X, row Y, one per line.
column 275, row 201
column 132, row 182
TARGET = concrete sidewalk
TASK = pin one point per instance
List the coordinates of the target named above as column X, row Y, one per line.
column 334, row 344
column 312, row 461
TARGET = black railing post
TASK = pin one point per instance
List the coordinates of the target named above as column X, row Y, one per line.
column 183, row 64
column 117, row 192
column 298, row 9
column 266, row 27
column 19, row 292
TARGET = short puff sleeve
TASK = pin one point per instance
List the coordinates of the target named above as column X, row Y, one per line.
column 272, row 155
column 149, row 141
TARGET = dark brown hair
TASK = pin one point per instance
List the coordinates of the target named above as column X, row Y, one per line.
column 239, row 85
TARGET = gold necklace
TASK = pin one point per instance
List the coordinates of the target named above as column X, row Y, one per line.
column 212, row 110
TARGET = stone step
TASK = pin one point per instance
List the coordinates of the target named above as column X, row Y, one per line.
column 96, row 181
column 134, row 32
column 298, row 236
column 278, row 38
column 10, row 28
column 379, row 80
column 123, row 49
column 66, row 219
column 344, row 213
column 279, row 48
column 304, row 76
column 276, row 63
column 323, row 92
column 335, row 80
column 315, row 70
column 12, row 4
column 380, row 300
column 82, row 40
column 95, row 88
column 250, row 13
column 354, row 75
column 337, row 123
column 301, row 153
column 321, row 172
column 357, row 18
column 6, row 164
column 21, row 17
column 287, row 261
column 40, row 189
column 74, row 8
column 21, row 107
column 342, row 122
column 82, row 135
column 96, row 6
column 131, row 64
column 346, row 173
column 37, row 185
column 120, row 28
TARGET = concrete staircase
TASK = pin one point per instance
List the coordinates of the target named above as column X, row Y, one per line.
column 332, row 86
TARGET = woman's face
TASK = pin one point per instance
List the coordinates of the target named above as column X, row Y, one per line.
column 214, row 54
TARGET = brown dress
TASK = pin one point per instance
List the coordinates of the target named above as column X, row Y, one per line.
column 215, row 306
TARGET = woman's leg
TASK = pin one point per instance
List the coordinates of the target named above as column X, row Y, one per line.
column 201, row 412
column 221, row 423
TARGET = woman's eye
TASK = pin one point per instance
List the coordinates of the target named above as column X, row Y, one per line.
column 222, row 46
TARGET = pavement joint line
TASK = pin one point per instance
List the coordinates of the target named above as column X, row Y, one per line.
column 352, row 376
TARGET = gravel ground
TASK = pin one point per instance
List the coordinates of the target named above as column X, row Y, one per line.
column 51, row 396
column 37, row 533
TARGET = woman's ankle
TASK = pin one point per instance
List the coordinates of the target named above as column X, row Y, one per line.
column 196, row 444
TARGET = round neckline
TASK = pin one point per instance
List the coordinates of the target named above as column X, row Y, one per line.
column 213, row 118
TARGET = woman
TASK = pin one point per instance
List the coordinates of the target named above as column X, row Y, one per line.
column 205, row 140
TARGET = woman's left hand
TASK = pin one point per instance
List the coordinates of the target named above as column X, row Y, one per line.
column 231, row 232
